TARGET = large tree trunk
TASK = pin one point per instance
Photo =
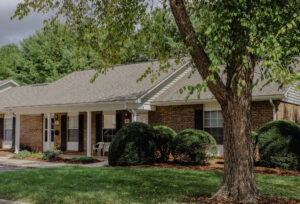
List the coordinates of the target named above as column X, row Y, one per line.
column 238, row 181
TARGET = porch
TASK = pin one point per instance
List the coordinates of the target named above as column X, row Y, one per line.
column 75, row 132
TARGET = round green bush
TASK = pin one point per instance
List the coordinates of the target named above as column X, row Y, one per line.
column 132, row 145
column 278, row 143
column 195, row 146
column 163, row 138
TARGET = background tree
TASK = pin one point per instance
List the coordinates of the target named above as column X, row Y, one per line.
column 238, row 34
column 10, row 60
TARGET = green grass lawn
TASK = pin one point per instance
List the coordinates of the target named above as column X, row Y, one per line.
column 126, row 185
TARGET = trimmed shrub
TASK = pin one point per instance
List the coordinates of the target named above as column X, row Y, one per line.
column 84, row 159
column 22, row 154
column 51, row 154
column 132, row 145
column 22, row 147
column 195, row 146
column 163, row 138
column 278, row 143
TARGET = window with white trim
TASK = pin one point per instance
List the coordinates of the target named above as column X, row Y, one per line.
column 213, row 123
column 46, row 129
column 73, row 129
column 8, row 127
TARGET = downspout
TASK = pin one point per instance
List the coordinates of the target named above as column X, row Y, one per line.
column 133, row 113
column 274, row 109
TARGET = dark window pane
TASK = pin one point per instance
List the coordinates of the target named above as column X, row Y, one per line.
column 52, row 123
column 46, row 136
column 217, row 133
column 73, row 135
column 52, row 136
column 46, row 123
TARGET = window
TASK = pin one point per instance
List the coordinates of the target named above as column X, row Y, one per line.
column 73, row 130
column 109, row 127
column 213, row 123
column 46, row 129
column 8, row 127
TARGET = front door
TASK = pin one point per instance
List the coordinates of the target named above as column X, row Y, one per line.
column 46, row 129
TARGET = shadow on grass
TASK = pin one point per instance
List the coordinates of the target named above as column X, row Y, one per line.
column 119, row 185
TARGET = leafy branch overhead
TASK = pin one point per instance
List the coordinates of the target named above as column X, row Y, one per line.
column 267, row 30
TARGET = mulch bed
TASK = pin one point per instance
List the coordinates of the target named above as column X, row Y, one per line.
column 59, row 160
column 218, row 165
column 261, row 200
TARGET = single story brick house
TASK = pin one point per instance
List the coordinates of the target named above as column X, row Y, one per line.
column 5, row 142
column 74, row 114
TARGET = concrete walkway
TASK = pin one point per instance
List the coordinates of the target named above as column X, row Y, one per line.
column 11, row 202
column 6, row 161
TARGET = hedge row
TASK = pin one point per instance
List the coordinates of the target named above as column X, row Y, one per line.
column 138, row 143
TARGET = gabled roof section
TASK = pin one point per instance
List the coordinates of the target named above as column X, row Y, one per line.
column 117, row 85
column 171, row 94
column 7, row 84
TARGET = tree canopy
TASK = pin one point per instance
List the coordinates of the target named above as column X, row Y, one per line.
column 237, row 34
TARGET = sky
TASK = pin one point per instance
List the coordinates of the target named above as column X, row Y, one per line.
column 13, row 31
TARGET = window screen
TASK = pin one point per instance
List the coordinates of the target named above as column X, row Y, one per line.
column 73, row 130
column 213, row 123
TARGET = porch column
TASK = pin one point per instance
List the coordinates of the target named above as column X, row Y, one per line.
column 49, row 130
column 17, row 134
column 134, row 115
column 89, row 134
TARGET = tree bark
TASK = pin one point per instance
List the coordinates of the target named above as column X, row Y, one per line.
column 238, row 181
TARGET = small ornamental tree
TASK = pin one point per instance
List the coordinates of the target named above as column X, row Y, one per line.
column 238, row 34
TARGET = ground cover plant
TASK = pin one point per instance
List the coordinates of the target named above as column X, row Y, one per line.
column 126, row 185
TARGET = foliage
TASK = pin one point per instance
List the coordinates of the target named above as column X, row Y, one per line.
column 51, row 154
column 37, row 155
column 278, row 143
column 196, row 146
column 22, row 147
column 132, row 145
column 126, row 185
column 84, row 159
column 22, row 154
column 163, row 138
column 25, row 147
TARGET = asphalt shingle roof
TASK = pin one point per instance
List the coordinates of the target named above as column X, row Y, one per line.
column 118, row 84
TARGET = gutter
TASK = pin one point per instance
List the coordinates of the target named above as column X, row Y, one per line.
column 274, row 108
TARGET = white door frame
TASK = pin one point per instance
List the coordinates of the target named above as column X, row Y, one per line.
column 46, row 144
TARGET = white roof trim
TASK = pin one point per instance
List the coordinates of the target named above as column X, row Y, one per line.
column 10, row 81
column 160, row 87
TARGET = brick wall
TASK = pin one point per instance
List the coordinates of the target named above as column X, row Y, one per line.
column 183, row 116
column 287, row 111
column 176, row 117
column 32, row 131
column 262, row 112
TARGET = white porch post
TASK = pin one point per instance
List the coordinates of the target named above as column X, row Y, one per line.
column 49, row 130
column 89, row 134
column 134, row 115
column 17, row 134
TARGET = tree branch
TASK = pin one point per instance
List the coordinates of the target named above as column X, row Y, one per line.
column 200, row 58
